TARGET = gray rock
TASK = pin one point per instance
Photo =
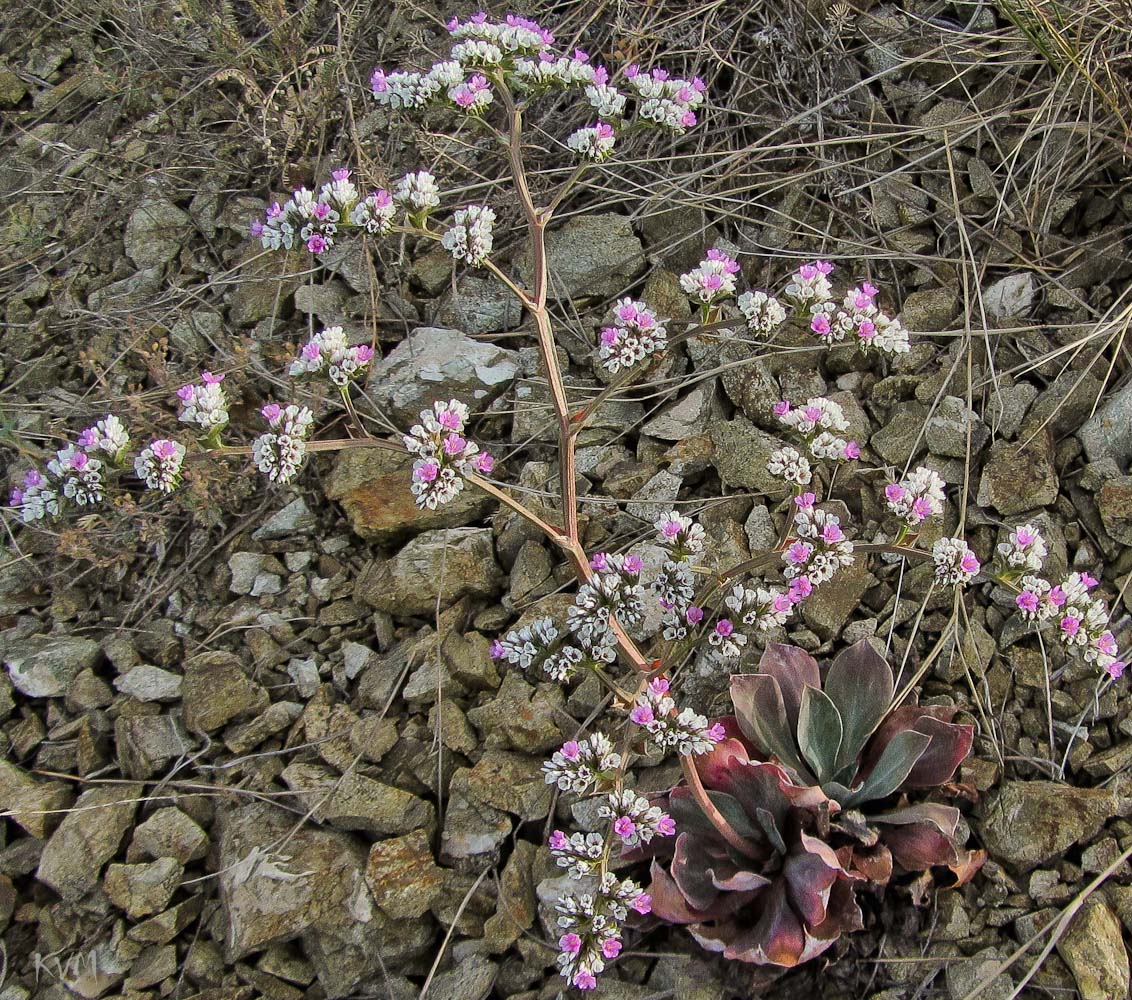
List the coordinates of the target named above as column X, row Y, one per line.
column 403, row 877
column 356, row 802
column 436, row 566
column 1012, row 296
column 155, row 232
column 34, row 805
column 1115, row 504
column 531, row 575
column 305, row 675
column 1093, row 948
column 1105, row 434
column 480, row 305
column 901, row 438
column 831, row 604
column 247, row 567
column 1017, row 479
column 948, row 427
column 279, row 715
column 534, row 418
column 1026, row 823
column 325, row 301
column 473, row 830
column 472, row 979
column 741, row 453
column 1065, row 405
column 688, row 416
column 964, row 976
column 145, row 744
column 43, row 666
column 294, row 519
column 146, row 682
column 313, row 887
column 760, row 530
column 434, row 363
column 511, row 782
column 87, row 838
column 143, row 889
column 930, row 309
column 196, row 332
column 655, row 497
column 1006, row 407
column 170, row 833
column 216, row 690
column 265, row 287
column 515, row 910
column 590, row 256
column 521, row 716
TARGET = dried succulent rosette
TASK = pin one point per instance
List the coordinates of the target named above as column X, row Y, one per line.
column 810, row 801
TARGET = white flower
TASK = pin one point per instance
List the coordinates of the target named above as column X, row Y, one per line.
column 764, row 313
column 279, row 453
column 955, row 563
column 159, row 465
column 417, row 192
column 788, row 464
column 470, row 236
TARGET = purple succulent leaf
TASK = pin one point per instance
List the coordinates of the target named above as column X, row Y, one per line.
column 859, row 682
column 690, row 818
column 762, row 718
column 778, row 938
column 842, row 912
column 735, row 879
column 713, row 765
column 769, row 826
column 949, row 747
column 895, row 764
column 668, row 902
column 943, row 818
column 898, row 721
column 820, row 732
column 809, row 877
column 794, row 669
column 692, row 873
column 918, row 846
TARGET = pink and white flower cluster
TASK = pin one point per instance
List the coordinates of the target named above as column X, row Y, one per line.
column 279, row 452
column 815, row 422
column 820, row 547
column 35, row 498
column 591, row 924
column 712, row 279
column 580, row 764
column 1023, row 551
column 417, row 193
column 858, row 318
column 686, row 732
column 594, row 142
column 635, row 334
column 444, row 455
column 670, row 102
column 79, row 476
column 159, row 465
column 314, row 219
column 204, row 403
column 916, row 497
column 470, row 236
column 955, row 563
column 330, row 352
column 764, row 313
column 634, row 819
column 809, row 287
column 108, row 436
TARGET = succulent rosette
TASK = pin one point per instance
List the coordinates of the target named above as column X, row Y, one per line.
column 814, row 789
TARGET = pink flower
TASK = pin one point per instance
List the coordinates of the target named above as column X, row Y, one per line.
column 1057, row 597
column 632, row 565
column 1024, row 536
column 1070, row 625
column 255, row 230
column 363, row 353
column 807, row 272
column 666, row 825
column 186, row 393
column 163, row 448
column 377, row 81
column 642, row 715
column 660, row 73
column 798, row 553
column 671, row 529
column 659, row 685
column 571, row 750
column 688, row 119
column 16, row 497
column 894, row 492
column 88, row 438
column 32, row 478
column 601, row 76
column 695, row 615
column 603, row 130
column 1088, row 581
column 781, row 603
column 632, row 71
column 584, row 980
column 427, row 471
column 698, row 85
column 851, row 450
column 609, row 336
column 969, row 563
column 79, row 460
column 1027, row 601
column 861, row 300
column 812, row 414
column 800, row 589
column 581, row 56
column 271, row 412
column 1106, row 643
column 450, row 420
column 611, row 948
column 717, row 733
column 465, row 98
column 312, row 350
column 643, row 903
column 712, row 282
column 321, row 211
column 624, row 827
column 869, row 289
column 316, row 244
column 275, row 210
column 1115, row 669
column 921, row 508
column 209, row 379
column 599, row 561
column 340, row 174
column 781, row 408
column 820, row 324
column 823, row 266
column 570, row 943
column 454, row 444
column 496, row 650
column 805, row 501
column 557, row 841
column 724, row 627
column 866, row 329
column 832, row 533
column 484, row 463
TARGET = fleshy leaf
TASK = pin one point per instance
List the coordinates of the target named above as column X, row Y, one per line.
column 794, row 669
column 808, row 880
column 919, row 846
column 895, row 763
column 691, row 873
column 859, row 682
column 770, row 828
column 688, row 816
column 668, row 903
column 820, row 732
column 778, row 936
column 943, row 818
column 762, row 718
column 949, row 747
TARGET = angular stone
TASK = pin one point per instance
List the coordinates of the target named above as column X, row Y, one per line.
column 690, row 415
column 146, row 743
column 1093, row 948
column 34, row 805
column 901, row 438
column 155, row 232
column 1105, row 434
column 216, row 690
column 87, row 838
column 296, row 518
column 267, row 282
column 435, row 567
column 279, row 715
column 1017, row 479
column 828, row 609
column 948, row 428
column 512, row 782
column 170, row 833
column 42, row 666
column 162, row 928
column 403, row 877
column 356, row 802
column 1009, row 297
column 480, row 305
column 1115, row 504
column 434, row 363
column 590, row 256
column 372, row 485
column 146, row 682
column 521, row 716
column 516, row 909
column 741, row 453
column 143, row 889
column 472, row 830
column 1026, row 823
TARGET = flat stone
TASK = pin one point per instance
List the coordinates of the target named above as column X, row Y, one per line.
column 1026, row 823
column 949, row 426
column 171, row 833
column 1105, row 434
column 473, row 830
column 901, row 438
column 1115, row 504
column 155, row 232
column 435, row 363
column 356, row 802
column 372, row 485
column 594, row 256
column 690, row 415
column 521, row 716
column 162, row 928
column 403, row 877
column 516, row 909
column 1016, row 479
column 436, row 567
column 1093, row 948
column 511, row 782
column 1009, row 297
column 216, row 690
column 33, row 804
column 480, row 305
column 247, row 568
column 295, row 518
column 741, row 453
column 145, row 744
column 278, row 716
column 828, row 609
column 87, row 838
column 146, row 682
column 655, row 498
column 1065, row 404
column 143, row 889
column 43, row 666
column 930, row 310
